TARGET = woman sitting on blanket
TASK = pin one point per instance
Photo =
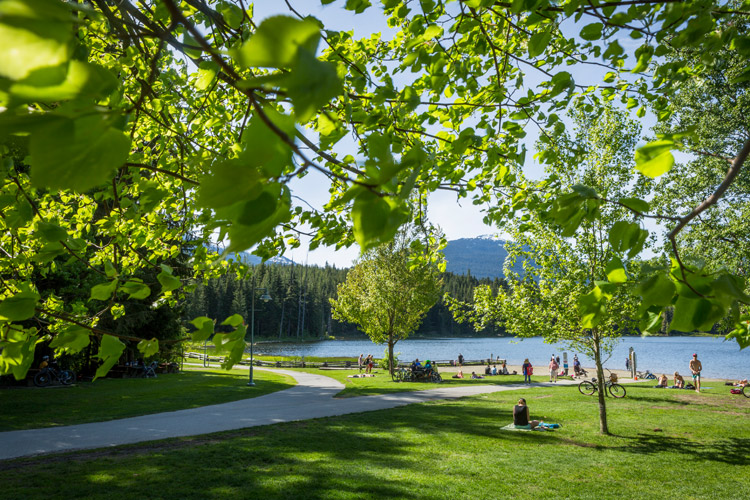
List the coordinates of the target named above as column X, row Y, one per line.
column 460, row 374
column 521, row 416
column 663, row 381
column 679, row 382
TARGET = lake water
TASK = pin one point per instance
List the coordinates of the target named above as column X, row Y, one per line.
column 721, row 359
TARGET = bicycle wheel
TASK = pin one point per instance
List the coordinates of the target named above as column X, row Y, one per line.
column 746, row 391
column 42, row 379
column 617, row 391
column 587, row 388
column 67, row 377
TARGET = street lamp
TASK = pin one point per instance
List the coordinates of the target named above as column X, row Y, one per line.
column 265, row 298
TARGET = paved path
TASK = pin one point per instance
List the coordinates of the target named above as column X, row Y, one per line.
column 311, row 398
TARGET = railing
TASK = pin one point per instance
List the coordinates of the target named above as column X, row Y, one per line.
column 332, row 364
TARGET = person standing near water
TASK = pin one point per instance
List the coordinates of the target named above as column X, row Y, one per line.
column 527, row 370
column 696, row 367
column 359, row 362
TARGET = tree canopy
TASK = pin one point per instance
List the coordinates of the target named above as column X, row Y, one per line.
column 133, row 134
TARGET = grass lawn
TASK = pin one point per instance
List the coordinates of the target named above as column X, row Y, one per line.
column 667, row 445
column 382, row 383
column 108, row 399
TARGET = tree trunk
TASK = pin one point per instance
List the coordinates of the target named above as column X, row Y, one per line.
column 603, row 427
column 391, row 343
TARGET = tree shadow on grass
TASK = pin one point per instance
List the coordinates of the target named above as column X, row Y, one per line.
column 732, row 451
column 377, row 454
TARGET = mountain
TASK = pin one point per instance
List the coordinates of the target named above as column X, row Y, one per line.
column 251, row 259
column 483, row 257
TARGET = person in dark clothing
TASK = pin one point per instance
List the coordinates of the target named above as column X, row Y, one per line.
column 521, row 416
column 460, row 359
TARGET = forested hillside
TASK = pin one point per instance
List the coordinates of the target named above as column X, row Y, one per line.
column 299, row 305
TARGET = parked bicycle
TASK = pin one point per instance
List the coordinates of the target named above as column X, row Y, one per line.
column 647, row 375
column 53, row 373
column 589, row 388
column 746, row 391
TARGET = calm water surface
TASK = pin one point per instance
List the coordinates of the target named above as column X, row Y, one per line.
column 720, row 359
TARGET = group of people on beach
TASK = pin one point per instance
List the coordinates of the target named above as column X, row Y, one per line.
column 679, row 381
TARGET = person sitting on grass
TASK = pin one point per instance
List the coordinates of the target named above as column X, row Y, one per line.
column 460, row 374
column 504, row 369
column 663, row 381
column 487, row 370
column 679, row 382
column 494, row 369
column 521, row 416
column 475, row 376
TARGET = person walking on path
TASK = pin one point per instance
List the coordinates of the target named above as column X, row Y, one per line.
column 696, row 367
column 553, row 367
column 528, row 370
column 460, row 359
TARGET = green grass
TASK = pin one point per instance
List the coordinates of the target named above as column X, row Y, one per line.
column 667, row 444
column 382, row 383
column 108, row 399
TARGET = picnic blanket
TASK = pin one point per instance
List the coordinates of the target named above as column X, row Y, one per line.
column 541, row 427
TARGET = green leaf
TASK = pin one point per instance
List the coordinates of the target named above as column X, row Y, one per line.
column 370, row 215
column 168, row 281
column 66, row 81
column 311, row 84
column 77, row 154
column 276, row 41
column 695, row 314
column 109, row 353
column 103, row 291
column 19, row 307
column 227, row 182
column 233, row 15
column 591, row 307
column 207, row 71
column 205, row 328
column 34, row 34
column 651, row 320
column 194, row 50
column 592, row 31
column 624, row 236
column 149, row 347
column 247, row 229
column 636, row 204
column 358, row 6
column 655, row 158
column 432, row 31
column 136, row 289
column 49, row 231
column 234, row 320
column 265, row 149
column 72, row 340
column 18, row 352
column 110, row 270
column 616, row 271
column 658, row 290
column 538, row 42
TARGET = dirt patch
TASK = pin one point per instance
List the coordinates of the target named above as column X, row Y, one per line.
column 694, row 397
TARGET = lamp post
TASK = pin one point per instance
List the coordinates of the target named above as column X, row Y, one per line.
column 265, row 298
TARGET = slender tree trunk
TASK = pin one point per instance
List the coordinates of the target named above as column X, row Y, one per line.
column 281, row 323
column 391, row 343
column 603, row 427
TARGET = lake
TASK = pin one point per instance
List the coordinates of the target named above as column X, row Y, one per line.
column 721, row 359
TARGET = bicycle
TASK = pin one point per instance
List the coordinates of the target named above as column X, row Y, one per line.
column 746, row 391
column 589, row 388
column 52, row 372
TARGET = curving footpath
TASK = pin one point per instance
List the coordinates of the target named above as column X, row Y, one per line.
column 312, row 397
